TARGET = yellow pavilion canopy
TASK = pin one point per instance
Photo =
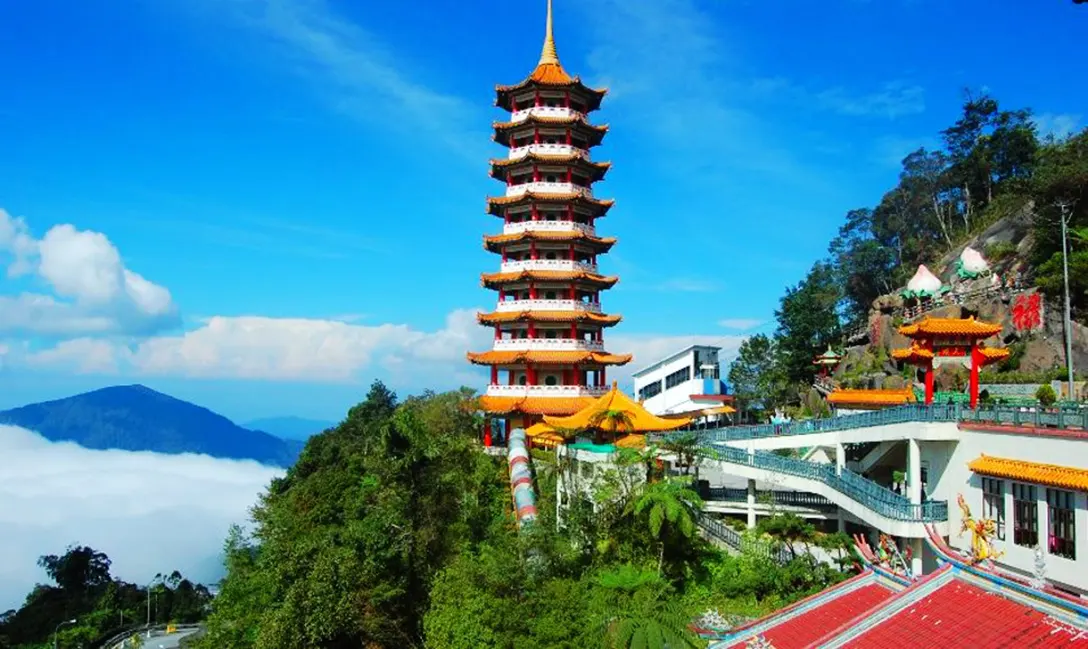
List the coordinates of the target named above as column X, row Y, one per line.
column 634, row 418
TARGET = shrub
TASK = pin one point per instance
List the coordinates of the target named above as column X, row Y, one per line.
column 1046, row 395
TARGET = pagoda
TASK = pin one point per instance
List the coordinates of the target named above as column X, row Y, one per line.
column 950, row 341
column 548, row 356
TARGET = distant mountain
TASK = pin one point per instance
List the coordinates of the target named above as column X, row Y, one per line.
column 137, row 418
column 290, row 427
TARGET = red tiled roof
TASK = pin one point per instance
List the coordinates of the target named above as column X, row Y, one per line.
column 960, row 614
column 810, row 625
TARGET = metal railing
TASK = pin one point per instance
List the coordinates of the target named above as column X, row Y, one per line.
column 1061, row 417
column 734, row 539
column 869, row 494
column 785, row 498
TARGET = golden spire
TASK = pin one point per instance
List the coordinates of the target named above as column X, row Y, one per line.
column 548, row 56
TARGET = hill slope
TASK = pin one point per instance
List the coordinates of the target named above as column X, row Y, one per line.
column 137, row 418
column 295, row 428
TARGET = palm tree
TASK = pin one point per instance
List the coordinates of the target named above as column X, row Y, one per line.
column 669, row 505
column 611, row 420
column 685, row 446
column 637, row 611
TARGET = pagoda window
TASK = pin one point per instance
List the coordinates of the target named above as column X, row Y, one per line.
column 552, row 216
column 550, row 255
column 551, row 179
column 522, row 380
column 1062, row 538
column 551, row 380
column 549, row 295
column 550, row 334
column 1025, row 515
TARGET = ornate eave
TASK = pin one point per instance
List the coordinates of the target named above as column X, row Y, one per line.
column 496, row 242
column 496, row 280
column 950, row 327
column 501, row 167
column 598, row 207
column 547, row 357
column 501, row 317
column 533, row 405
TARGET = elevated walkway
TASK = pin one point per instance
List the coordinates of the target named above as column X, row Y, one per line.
column 731, row 500
column 863, row 499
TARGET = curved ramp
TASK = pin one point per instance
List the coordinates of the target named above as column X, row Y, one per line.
column 863, row 499
column 521, row 479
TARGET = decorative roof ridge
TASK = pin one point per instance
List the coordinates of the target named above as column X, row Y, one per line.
column 544, row 157
column 549, row 119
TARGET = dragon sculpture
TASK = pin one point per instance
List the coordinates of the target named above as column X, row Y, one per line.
column 982, row 530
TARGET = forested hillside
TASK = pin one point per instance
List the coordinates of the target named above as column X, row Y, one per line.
column 992, row 165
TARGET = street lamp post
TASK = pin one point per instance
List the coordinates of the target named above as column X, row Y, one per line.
column 57, row 630
column 149, row 585
column 1068, row 312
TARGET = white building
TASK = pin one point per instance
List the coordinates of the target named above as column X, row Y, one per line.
column 688, row 381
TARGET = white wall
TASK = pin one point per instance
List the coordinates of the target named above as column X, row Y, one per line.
column 956, row 478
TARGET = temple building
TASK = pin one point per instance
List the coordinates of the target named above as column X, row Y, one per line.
column 548, row 356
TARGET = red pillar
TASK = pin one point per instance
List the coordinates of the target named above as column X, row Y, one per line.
column 536, row 216
column 487, row 431
column 929, row 384
column 574, row 330
column 494, row 375
column 604, row 377
column 532, row 250
column 976, row 361
column 498, row 333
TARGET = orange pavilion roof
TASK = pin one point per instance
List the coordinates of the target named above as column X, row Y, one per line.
column 601, row 244
column 533, row 405
column 502, row 357
column 638, row 419
column 912, row 354
column 497, row 317
column 500, row 167
column 993, row 354
column 871, row 397
column 491, row 280
column 598, row 207
column 549, row 72
column 962, row 327
column 1053, row 475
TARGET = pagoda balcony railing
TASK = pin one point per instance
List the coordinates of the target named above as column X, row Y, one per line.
column 548, row 264
column 549, row 226
column 545, row 391
column 545, row 111
column 549, row 188
column 549, row 344
column 546, row 148
column 518, row 306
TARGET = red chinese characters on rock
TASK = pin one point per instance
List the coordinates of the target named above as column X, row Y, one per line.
column 1027, row 312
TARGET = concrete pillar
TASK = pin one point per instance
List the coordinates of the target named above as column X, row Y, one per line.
column 916, row 568
column 751, row 503
column 840, row 458
column 841, row 519
column 914, row 471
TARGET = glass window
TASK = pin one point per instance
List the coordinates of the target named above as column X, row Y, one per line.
column 1025, row 515
column 1062, row 539
column 993, row 503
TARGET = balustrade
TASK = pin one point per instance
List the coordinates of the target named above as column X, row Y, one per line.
column 545, row 111
column 548, row 305
column 548, row 226
column 547, row 264
column 547, row 149
column 542, row 187
column 556, row 344
column 495, row 390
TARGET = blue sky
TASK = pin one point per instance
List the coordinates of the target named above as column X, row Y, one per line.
column 261, row 205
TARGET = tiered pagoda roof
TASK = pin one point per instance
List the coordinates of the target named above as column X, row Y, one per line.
column 500, row 167
column 546, row 357
column 533, row 405
column 495, row 242
column 497, row 317
column 579, row 126
column 597, row 207
column 549, row 73
column 497, row 280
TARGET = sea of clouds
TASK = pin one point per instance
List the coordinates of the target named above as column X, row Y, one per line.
column 149, row 512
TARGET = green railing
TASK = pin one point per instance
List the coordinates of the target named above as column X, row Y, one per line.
column 734, row 539
column 874, row 497
column 1063, row 417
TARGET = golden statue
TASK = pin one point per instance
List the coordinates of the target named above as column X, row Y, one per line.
column 982, row 530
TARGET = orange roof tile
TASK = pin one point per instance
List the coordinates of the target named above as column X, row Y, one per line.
column 496, row 279
column 638, row 419
column 631, row 441
column 1053, row 475
column 496, row 317
column 552, row 120
column 599, row 207
column 993, row 354
column 494, row 357
column 968, row 327
column 602, row 244
column 500, row 167
column 533, row 405
column 912, row 354
column 872, row 397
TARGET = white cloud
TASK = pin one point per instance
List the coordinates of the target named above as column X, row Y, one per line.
column 1060, row 125
column 894, row 99
column 149, row 512
column 98, row 295
column 740, row 324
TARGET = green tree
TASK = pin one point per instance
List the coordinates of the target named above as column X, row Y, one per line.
column 808, row 322
column 789, row 529
column 754, row 375
column 635, row 608
column 1046, row 396
column 685, row 446
column 669, row 507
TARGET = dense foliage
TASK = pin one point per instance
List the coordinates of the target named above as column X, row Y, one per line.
column 395, row 530
column 83, row 590
column 992, row 164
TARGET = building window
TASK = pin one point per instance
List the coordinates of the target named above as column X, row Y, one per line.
column 651, row 390
column 993, row 503
column 677, row 377
column 550, row 380
column 549, row 295
column 521, row 380
column 1025, row 516
column 1062, row 539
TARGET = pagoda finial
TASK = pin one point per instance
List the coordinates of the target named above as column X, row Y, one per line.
column 548, row 56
